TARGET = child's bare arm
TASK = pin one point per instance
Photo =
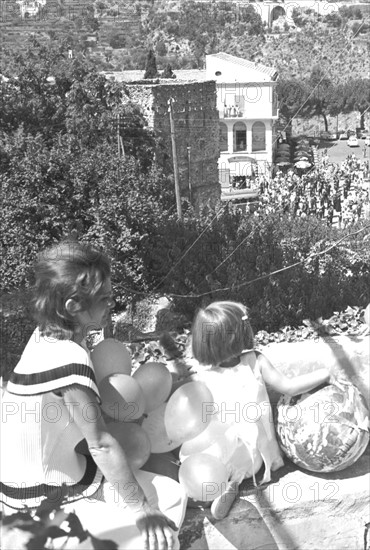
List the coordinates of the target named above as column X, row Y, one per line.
column 291, row 386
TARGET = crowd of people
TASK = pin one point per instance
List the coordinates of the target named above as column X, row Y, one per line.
column 337, row 194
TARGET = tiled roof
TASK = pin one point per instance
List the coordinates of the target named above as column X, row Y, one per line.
column 270, row 71
column 124, row 76
column 193, row 75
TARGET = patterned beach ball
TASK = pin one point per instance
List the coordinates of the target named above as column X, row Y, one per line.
column 325, row 430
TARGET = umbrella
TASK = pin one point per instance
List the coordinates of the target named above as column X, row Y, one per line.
column 303, row 147
column 302, row 164
column 282, row 159
column 296, row 159
column 284, row 154
column 283, row 146
column 302, row 155
column 283, row 163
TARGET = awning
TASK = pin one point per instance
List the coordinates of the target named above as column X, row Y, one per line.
column 239, row 194
column 303, row 164
column 242, row 159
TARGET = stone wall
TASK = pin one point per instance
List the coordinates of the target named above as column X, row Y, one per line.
column 196, row 123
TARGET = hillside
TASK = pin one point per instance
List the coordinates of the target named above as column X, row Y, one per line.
column 118, row 35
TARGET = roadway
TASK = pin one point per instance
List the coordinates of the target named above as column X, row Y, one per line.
column 339, row 150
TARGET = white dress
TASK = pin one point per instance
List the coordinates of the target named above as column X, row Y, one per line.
column 241, row 400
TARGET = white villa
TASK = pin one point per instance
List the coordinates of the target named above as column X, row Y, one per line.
column 247, row 105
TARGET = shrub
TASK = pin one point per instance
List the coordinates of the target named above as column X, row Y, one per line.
column 151, row 66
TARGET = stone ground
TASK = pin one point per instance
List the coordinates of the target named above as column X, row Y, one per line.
column 298, row 510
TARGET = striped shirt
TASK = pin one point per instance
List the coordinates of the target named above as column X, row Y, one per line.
column 38, row 432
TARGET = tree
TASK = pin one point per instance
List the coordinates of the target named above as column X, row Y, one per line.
column 333, row 20
column 151, row 66
column 322, row 94
column 292, row 95
column 117, row 39
column 46, row 189
column 161, row 48
column 253, row 20
column 357, row 96
column 168, row 72
column 350, row 12
column 298, row 20
column 77, row 101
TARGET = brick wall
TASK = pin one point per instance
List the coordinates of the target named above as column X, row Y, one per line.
column 196, row 126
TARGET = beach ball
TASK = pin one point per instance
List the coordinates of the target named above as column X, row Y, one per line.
column 156, row 382
column 110, row 357
column 203, row 477
column 185, row 415
column 122, row 397
column 133, row 440
column 325, row 430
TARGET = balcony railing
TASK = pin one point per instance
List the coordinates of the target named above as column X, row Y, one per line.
column 231, row 112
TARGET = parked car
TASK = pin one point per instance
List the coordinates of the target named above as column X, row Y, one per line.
column 363, row 134
column 343, row 134
column 329, row 136
column 352, row 141
column 367, row 141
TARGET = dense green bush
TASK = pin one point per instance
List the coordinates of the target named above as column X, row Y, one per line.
column 236, row 251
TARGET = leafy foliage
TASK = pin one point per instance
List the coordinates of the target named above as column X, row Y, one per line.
column 318, row 96
column 25, row 529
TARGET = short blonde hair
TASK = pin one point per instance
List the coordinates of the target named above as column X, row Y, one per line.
column 220, row 332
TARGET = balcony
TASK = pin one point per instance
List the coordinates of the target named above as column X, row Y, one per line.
column 231, row 112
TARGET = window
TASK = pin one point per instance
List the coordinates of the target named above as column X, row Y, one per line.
column 258, row 136
column 223, row 137
column 240, row 136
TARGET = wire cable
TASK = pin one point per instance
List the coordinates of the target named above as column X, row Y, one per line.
column 262, row 277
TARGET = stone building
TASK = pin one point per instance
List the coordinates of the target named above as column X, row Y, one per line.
column 196, row 123
column 225, row 123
